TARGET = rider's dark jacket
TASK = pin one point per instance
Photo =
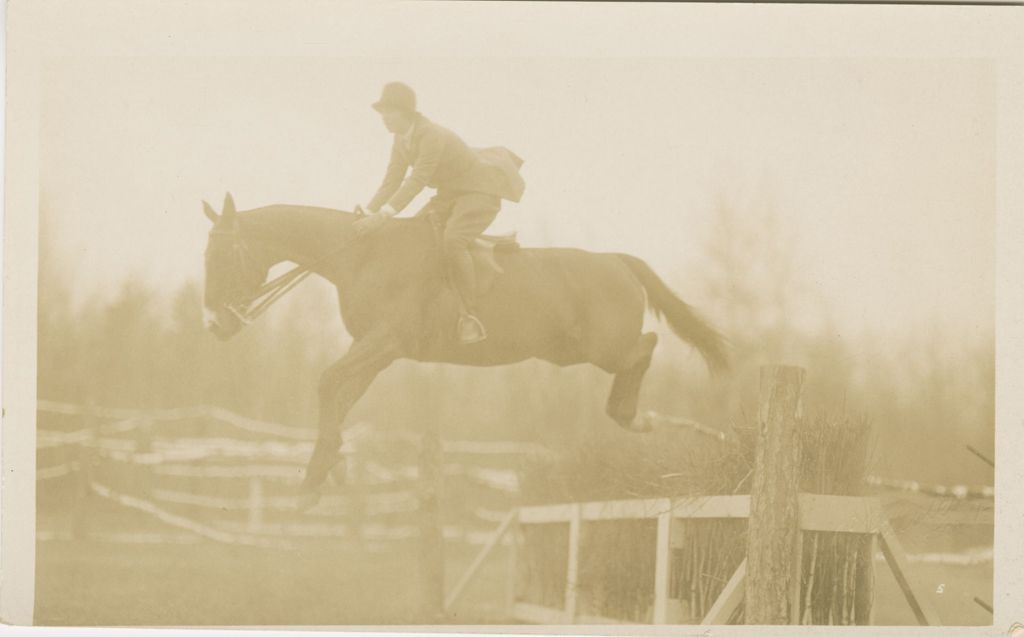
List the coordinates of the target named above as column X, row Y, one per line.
column 440, row 159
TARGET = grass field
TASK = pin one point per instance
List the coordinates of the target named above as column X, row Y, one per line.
column 93, row 583
column 79, row 583
column 950, row 589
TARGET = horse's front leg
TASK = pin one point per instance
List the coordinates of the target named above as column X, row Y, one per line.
column 341, row 385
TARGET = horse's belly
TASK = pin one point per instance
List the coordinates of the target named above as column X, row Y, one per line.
column 517, row 329
column 557, row 305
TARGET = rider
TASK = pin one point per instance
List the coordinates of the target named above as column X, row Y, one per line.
column 470, row 185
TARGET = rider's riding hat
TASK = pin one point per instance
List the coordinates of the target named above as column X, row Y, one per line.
column 398, row 96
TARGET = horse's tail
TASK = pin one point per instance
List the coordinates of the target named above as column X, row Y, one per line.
column 685, row 323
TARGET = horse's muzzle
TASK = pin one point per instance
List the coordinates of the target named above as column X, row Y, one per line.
column 221, row 323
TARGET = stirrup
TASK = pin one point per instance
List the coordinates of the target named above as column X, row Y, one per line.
column 471, row 330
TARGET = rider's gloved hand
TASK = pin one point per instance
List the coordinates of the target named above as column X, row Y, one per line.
column 366, row 210
column 369, row 223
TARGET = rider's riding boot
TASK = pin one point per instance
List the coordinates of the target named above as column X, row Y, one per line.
column 470, row 329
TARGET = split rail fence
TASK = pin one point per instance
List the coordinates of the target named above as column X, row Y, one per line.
column 768, row 584
column 218, row 476
column 206, row 473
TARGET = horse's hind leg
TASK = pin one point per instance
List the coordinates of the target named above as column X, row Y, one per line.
column 625, row 392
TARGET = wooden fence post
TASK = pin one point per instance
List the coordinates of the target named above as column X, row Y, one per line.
column 773, row 536
column 572, row 573
column 81, row 523
column 864, row 607
column 431, row 558
column 512, row 583
column 145, row 476
column 662, row 568
column 256, row 504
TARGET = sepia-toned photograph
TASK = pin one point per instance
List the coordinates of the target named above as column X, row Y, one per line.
column 442, row 336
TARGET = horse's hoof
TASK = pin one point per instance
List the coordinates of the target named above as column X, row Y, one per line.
column 643, row 426
column 339, row 473
column 638, row 424
column 306, row 501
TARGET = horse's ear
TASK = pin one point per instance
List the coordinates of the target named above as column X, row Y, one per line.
column 229, row 206
column 209, row 212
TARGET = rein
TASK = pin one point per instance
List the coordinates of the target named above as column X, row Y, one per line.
column 252, row 307
column 268, row 294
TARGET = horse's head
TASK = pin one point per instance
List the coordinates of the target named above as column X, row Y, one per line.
column 233, row 274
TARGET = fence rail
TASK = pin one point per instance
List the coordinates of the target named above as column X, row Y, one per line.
column 958, row 491
column 384, row 490
column 158, row 473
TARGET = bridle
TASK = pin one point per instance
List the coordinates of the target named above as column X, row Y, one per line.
column 249, row 307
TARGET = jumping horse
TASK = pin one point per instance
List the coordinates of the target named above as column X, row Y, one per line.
column 562, row 305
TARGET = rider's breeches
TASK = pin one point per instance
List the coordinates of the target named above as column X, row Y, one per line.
column 471, row 213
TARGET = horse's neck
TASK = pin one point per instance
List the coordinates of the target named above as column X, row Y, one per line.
column 324, row 240
column 312, row 237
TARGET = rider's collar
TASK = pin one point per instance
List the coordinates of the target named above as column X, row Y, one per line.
column 406, row 137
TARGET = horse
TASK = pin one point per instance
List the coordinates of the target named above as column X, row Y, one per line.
column 566, row 306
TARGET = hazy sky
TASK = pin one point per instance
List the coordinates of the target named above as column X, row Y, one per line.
column 884, row 168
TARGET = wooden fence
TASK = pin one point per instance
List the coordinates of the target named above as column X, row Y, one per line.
column 764, row 587
column 211, row 473
column 767, row 582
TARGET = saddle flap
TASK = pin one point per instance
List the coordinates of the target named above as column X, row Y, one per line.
column 505, row 241
column 487, row 266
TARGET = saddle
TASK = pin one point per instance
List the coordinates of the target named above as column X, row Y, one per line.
column 482, row 251
column 487, row 267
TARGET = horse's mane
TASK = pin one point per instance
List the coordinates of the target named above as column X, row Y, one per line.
column 313, row 229
column 281, row 216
